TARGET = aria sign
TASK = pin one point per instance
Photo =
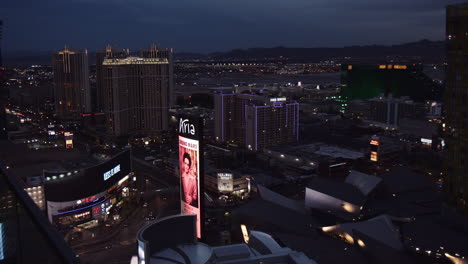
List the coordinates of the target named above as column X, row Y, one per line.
column 112, row 172
column 185, row 127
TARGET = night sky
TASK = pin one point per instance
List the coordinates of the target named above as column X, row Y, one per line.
column 217, row 25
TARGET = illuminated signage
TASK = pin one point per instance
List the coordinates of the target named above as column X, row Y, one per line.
column 374, row 142
column 400, row 67
column 189, row 164
column 279, row 99
column 225, row 176
column 373, row 156
column 225, row 182
column 112, row 172
column 185, row 127
column 426, row 141
column 68, row 139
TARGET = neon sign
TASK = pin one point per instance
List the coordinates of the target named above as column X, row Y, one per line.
column 112, row 172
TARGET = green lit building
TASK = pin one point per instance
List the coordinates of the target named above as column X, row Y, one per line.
column 369, row 81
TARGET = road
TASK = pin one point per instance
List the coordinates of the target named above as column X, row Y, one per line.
column 161, row 196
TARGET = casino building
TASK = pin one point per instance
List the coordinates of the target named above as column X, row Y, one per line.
column 87, row 195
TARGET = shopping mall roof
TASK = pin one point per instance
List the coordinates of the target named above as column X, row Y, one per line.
column 338, row 189
column 379, row 228
column 364, row 182
column 402, row 179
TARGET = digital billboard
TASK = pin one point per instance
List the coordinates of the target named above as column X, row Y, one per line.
column 225, row 182
column 191, row 170
column 190, row 177
column 68, row 139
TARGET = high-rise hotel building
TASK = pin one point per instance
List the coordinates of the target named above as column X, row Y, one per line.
column 109, row 52
column 71, row 78
column 137, row 92
column 256, row 121
column 456, row 108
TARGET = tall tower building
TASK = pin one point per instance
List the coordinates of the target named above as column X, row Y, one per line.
column 456, row 108
column 108, row 53
column 154, row 52
column 137, row 93
column 256, row 121
column 71, row 78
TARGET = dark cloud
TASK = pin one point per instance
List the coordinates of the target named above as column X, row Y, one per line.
column 214, row 25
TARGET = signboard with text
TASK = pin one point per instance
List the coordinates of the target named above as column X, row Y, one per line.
column 191, row 169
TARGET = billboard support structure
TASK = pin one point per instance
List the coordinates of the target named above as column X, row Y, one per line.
column 191, row 168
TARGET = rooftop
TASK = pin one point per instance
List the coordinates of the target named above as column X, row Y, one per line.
column 338, row 189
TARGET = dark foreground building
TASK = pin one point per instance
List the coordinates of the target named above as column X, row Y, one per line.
column 456, row 111
column 25, row 234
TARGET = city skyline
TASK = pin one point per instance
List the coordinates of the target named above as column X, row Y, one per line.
column 207, row 26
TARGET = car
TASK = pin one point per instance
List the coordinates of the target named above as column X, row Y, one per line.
column 147, row 218
column 145, row 204
column 108, row 247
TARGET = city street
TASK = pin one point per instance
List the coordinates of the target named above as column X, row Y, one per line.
column 155, row 200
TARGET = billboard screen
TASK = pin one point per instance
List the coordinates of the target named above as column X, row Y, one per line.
column 189, row 164
column 86, row 182
column 225, row 182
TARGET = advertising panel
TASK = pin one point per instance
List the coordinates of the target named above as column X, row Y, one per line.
column 225, row 182
column 191, row 169
column 68, row 139
column 189, row 161
column 101, row 210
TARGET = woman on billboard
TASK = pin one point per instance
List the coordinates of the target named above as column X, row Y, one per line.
column 189, row 181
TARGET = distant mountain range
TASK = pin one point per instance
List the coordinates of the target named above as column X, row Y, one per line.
column 423, row 51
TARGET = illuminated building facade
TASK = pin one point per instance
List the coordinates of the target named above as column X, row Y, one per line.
column 369, row 81
column 137, row 92
column 108, row 53
column 87, row 195
column 71, row 78
column 256, row 121
column 456, row 108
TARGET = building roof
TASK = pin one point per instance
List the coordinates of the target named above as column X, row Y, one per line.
column 364, row 182
column 269, row 215
column 379, row 228
column 280, row 200
column 338, row 189
column 322, row 249
column 403, row 180
column 430, row 234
